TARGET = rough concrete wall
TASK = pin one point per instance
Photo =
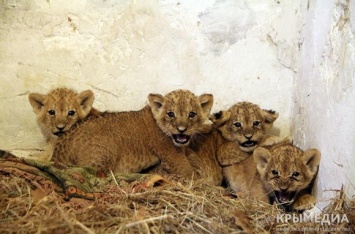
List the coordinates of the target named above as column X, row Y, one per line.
column 123, row 50
column 324, row 113
column 259, row 51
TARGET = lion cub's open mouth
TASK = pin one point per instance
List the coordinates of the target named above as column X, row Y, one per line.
column 284, row 198
column 181, row 139
column 249, row 144
column 58, row 134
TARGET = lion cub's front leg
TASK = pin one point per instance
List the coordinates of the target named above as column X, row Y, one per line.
column 195, row 161
column 46, row 153
column 304, row 202
column 176, row 163
column 268, row 141
column 229, row 154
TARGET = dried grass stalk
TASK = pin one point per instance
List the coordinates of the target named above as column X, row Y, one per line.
column 171, row 208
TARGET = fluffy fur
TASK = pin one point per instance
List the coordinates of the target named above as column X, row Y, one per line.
column 227, row 144
column 245, row 124
column 244, row 128
column 286, row 173
column 137, row 140
column 202, row 155
column 59, row 110
column 241, row 129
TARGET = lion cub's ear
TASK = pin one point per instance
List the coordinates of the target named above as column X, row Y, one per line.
column 220, row 118
column 262, row 157
column 36, row 101
column 206, row 101
column 270, row 116
column 311, row 158
column 156, row 101
column 86, row 100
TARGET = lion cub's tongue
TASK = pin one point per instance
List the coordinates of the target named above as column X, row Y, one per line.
column 283, row 197
column 181, row 138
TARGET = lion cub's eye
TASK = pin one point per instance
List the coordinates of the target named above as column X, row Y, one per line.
column 171, row 114
column 256, row 123
column 51, row 112
column 237, row 124
column 295, row 174
column 192, row 115
column 71, row 113
column 275, row 172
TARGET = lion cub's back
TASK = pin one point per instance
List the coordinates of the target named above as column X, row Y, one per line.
column 109, row 135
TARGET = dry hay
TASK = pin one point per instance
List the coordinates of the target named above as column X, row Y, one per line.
column 171, row 208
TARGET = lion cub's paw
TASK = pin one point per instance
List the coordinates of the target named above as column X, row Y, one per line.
column 304, row 202
column 273, row 140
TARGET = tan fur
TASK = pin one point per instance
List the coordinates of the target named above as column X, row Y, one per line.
column 250, row 176
column 242, row 121
column 136, row 140
column 205, row 148
column 286, row 173
column 245, row 124
column 202, row 155
column 58, row 111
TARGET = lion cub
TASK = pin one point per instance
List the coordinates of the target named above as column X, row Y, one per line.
column 136, row 140
column 286, row 172
column 241, row 129
column 237, row 132
column 58, row 111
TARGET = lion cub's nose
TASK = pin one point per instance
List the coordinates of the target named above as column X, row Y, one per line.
column 283, row 185
column 182, row 129
column 248, row 136
column 60, row 128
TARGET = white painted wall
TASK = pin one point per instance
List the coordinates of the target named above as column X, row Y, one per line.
column 273, row 53
column 123, row 50
column 324, row 97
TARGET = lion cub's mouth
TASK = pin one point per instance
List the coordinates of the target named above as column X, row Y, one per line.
column 284, row 198
column 58, row 134
column 181, row 139
column 248, row 144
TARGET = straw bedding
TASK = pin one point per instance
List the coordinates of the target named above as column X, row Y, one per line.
column 167, row 208
column 155, row 205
